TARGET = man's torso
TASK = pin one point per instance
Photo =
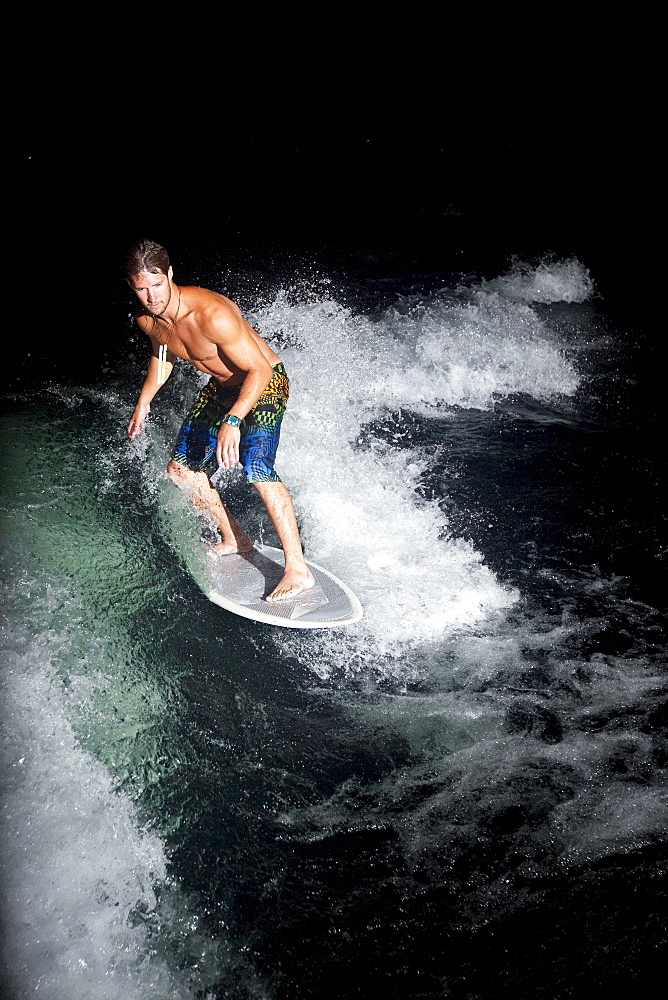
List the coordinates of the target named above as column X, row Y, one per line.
column 187, row 337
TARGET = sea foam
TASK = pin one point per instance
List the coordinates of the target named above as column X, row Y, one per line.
column 358, row 500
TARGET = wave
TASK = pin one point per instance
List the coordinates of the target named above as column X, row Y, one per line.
column 358, row 497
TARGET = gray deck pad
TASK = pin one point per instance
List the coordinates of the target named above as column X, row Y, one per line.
column 240, row 583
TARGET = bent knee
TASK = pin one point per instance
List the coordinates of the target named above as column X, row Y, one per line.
column 186, row 479
column 177, row 473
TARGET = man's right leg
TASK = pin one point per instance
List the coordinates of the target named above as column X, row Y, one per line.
column 206, row 498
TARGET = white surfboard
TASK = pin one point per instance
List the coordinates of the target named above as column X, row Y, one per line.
column 240, row 583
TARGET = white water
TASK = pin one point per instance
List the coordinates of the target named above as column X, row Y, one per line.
column 76, row 862
column 550, row 281
column 359, row 508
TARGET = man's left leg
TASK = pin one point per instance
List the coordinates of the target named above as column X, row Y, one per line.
column 297, row 577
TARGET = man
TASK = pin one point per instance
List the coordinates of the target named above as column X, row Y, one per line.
column 237, row 415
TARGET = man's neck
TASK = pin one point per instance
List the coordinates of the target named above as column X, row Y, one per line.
column 173, row 309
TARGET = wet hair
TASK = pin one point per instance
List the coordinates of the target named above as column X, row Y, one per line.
column 145, row 255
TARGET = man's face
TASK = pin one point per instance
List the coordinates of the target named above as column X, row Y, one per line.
column 154, row 291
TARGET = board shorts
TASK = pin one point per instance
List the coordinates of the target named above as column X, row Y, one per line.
column 195, row 446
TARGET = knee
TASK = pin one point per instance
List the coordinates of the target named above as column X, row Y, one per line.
column 177, row 473
column 269, row 488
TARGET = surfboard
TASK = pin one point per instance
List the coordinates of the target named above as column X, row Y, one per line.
column 239, row 583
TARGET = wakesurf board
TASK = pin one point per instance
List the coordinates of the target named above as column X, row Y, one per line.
column 239, row 583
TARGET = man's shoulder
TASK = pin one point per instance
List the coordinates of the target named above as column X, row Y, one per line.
column 144, row 320
column 207, row 298
column 213, row 308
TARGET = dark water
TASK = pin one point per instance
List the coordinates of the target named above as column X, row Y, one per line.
column 463, row 795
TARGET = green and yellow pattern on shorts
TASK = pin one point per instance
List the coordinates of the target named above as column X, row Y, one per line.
column 195, row 446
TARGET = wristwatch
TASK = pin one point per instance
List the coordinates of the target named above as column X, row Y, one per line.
column 229, row 418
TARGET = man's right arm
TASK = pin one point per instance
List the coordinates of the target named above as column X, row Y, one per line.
column 148, row 391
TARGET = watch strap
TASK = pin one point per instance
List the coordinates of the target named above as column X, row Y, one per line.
column 230, row 418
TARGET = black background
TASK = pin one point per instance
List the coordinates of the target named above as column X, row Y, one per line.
column 461, row 196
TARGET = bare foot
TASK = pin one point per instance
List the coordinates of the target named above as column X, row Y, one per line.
column 293, row 582
column 237, row 546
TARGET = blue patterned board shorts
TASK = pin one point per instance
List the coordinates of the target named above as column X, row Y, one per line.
column 195, row 446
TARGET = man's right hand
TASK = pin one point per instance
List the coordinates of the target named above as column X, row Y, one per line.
column 137, row 421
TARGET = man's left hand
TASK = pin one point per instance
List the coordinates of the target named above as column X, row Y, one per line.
column 227, row 448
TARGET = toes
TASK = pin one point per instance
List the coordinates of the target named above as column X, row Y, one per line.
column 288, row 592
column 283, row 595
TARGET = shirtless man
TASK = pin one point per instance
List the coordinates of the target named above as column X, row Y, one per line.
column 237, row 415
